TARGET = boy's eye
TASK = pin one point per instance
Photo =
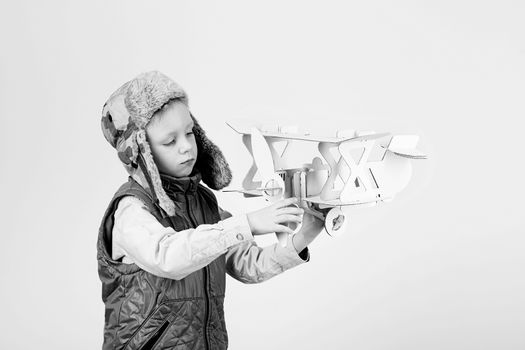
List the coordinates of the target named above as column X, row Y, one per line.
column 170, row 143
column 189, row 133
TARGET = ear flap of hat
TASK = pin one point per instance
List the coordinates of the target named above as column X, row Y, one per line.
column 211, row 163
column 125, row 116
column 149, row 177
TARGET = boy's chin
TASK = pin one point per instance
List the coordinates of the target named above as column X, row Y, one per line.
column 183, row 173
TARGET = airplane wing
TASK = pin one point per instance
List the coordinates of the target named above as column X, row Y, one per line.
column 405, row 146
column 243, row 130
column 257, row 192
column 338, row 202
column 247, row 193
column 409, row 153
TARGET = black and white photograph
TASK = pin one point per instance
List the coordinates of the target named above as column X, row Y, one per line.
column 213, row 175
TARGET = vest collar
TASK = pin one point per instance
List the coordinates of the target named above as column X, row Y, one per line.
column 182, row 185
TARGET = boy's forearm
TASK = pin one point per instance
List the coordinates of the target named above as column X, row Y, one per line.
column 311, row 228
column 250, row 263
column 300, row 241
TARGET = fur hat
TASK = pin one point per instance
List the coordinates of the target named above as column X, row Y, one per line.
column 124, row 119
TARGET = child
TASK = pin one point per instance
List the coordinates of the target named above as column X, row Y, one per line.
column 164, row 244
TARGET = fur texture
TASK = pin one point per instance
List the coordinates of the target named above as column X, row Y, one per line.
column 211, row 162
column 124, row 119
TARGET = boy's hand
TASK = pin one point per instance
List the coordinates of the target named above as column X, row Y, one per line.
column 271, row 218
column 311, row 228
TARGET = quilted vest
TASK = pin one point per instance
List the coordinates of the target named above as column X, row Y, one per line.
column 144, row 311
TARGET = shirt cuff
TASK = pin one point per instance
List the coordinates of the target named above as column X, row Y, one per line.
column 303, row 254
column 237, row 229
column 288, row 256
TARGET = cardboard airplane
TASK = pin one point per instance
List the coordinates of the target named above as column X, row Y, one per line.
column 369, row 168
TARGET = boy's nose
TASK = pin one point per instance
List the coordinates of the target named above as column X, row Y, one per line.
column 185, row 147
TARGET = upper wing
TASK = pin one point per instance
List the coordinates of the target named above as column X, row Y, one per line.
column 244, row 130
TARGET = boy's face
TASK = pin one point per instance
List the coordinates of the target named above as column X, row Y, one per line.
column 171, row 139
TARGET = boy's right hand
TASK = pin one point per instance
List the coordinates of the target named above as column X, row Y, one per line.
column 271, row 218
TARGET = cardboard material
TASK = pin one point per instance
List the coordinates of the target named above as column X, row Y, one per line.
column 356, row 168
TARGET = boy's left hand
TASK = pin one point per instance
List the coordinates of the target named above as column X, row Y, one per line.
column 311, row 228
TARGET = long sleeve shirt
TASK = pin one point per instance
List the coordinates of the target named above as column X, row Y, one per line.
column 139, row 238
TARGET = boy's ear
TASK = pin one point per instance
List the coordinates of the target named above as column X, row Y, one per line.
column 211, row 163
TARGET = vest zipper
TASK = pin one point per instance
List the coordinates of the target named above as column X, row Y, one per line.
column 207, row 313
column 206, row 296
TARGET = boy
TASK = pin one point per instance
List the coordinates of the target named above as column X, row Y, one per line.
column 164, row 244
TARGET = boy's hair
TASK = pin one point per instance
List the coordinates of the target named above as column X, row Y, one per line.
column 124, row 119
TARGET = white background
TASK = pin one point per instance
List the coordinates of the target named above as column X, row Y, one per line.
column 440, row 267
